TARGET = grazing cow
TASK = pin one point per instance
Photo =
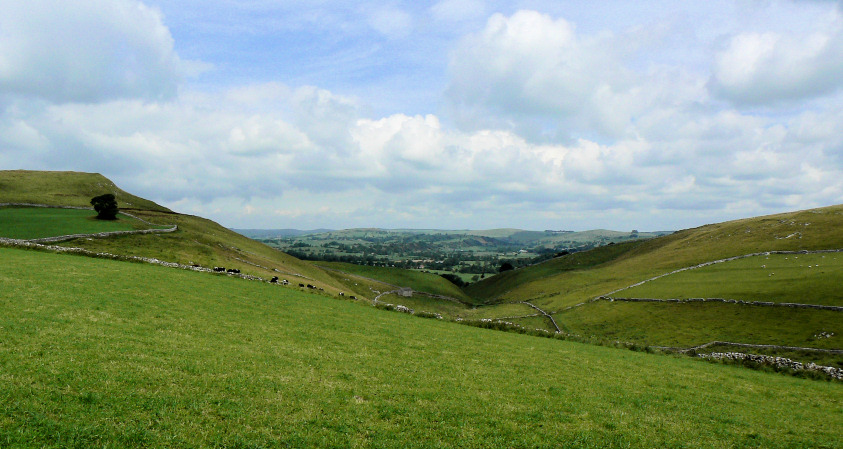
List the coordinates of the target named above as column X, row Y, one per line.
column 285, row 282
column 219, row 269
column 311, row 286
column 301, row 285
column 233, row 270
column 274, row 279
column 353, row 297
column 342, row 294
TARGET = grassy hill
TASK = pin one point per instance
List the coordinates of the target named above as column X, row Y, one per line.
column 198, row 241
column 565, row 285
column 65, row 189
column 93, row 354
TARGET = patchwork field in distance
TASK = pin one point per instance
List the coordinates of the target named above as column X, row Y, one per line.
column 94, row 354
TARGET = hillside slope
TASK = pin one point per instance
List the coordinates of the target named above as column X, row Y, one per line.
column 65, row 189
column 567, row 287
column 94, row 354
column 198, row 241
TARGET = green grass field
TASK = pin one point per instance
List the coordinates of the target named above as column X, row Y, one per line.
column 39, row 222
column 798, row 278
column 424, row 282
column 100, row 353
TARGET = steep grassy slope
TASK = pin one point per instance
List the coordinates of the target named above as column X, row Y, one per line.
column 564, row 287
column 559, row 283
column 93, row 354
column 794, row 278
column 65, row 189
column 197, row 241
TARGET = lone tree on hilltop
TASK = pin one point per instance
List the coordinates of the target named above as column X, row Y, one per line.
column 106, row 206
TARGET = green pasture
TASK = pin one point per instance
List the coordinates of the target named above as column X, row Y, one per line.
column 691, row 324
column 543, row 277
column 798, row 278
column 100, row 353
column 417, row 280
column 206, row 243
column 422, row 303
column 566, row 281
column 40, row 222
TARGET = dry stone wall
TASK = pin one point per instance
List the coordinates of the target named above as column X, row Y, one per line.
column 778, row 362
column 62, row 238
column 729, row 301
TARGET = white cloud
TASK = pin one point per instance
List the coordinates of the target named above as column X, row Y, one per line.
column 391, row 21
column 87, row 50
column 771, row 67
column 530, row 70
column 563, row 128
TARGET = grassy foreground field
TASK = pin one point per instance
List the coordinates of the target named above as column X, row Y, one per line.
column 100, row 353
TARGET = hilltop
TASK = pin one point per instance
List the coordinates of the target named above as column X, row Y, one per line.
column 66, row 189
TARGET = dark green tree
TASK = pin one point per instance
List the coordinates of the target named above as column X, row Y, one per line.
column 506, row 266
column 106, row 206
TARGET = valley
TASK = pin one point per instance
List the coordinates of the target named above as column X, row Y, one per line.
column 141, row 327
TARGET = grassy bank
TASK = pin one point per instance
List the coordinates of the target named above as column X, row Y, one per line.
column 112, row 354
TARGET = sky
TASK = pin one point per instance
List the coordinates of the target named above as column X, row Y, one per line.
column 456, row 114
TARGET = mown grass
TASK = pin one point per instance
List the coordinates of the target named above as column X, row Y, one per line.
column 798, row 278
column 39, row 222
column 99, row 353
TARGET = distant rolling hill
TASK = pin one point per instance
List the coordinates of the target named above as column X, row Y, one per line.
column 259, row 234
column 508, row 236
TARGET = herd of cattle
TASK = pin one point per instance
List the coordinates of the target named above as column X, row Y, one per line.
column 275, row 280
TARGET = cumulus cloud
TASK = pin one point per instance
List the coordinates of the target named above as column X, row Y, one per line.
column 259, row 147
column 771, row 67
column 87, row 50
column 531, row 70
column 646, row 146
